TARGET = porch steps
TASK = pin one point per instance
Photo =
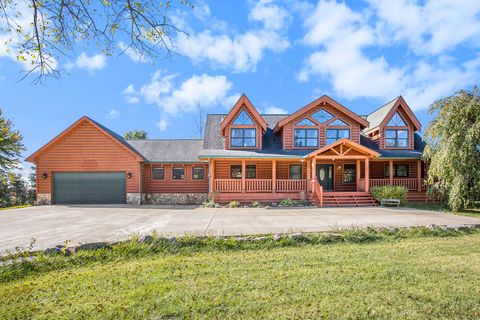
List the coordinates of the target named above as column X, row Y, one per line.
column 346, row 199
column 413, row 196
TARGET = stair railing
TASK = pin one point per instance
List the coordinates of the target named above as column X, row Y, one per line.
column 318, row 192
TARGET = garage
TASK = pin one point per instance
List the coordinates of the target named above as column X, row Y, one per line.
column 89, row 187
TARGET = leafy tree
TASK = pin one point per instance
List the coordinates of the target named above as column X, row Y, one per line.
column 18, row 189
column 453, row 148
column 40, row 31
column 10, row 145
column 32, row 187
column 135, row 135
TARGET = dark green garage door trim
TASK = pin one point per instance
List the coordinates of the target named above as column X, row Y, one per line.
column 89, row 187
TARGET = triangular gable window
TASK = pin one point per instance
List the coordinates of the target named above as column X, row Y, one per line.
column 322, row 116
column 243, row 119
column 305, row 122
column 396, row 121
column 338, row 122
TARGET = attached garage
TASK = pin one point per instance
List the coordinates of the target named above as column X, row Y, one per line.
column 89, row 188
column 88, row 164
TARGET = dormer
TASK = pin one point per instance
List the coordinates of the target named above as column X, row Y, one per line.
column 393, row 126
column 243, row 127
column 322, row 122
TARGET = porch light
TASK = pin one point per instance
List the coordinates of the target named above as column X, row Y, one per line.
column 45, row 175
column 129, row 175
column 339, row 167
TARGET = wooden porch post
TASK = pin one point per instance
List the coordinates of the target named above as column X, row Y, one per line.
column 357, row 173
column 419, row 175
column 314, row 172
column 309, row 172
column 367, row 174
column 244, row 174
column 211, row 168
column 274, row 176
column 390, row 171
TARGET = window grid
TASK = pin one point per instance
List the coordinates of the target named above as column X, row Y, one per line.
column 305, row 138
column 178, row 173
column 241, row 137
column 322, row 116
column 396, row 121
column 198, row 173
column 396, row 138
column 243, row 119
column 336, row 134
column 305, row 122
column 158, row 173
column 295, row 172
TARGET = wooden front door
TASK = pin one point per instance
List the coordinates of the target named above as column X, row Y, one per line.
column 325, row 176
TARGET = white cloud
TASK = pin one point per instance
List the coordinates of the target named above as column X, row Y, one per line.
column 342, row 37
column 275, row 110
column 132, row 53
column 91, row 63
column 162, row 124
column 242, row 51
column 113, row 114
column 130, row 95
column 432, row 27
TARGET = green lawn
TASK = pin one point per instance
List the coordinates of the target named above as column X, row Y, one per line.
column 17, row 207
column 417, row 278
column 438, row 207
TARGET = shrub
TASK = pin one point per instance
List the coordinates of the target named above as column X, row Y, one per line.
column 287, row 202
column 254, row 204
column 210, row 204
column 234, row 204
column 389, row 192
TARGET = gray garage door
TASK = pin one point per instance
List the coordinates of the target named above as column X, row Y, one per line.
column 89, row 187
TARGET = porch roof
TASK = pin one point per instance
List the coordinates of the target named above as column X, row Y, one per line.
column 351, row 145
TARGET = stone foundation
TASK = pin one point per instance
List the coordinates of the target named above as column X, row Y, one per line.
column 174, row 198
column 133, row 198
column 43, row 199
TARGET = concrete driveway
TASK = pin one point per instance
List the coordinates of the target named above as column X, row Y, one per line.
column 52, row 225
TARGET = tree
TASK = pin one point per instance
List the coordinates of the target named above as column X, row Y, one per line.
column 32, row 186
column 41, row 31
column 10, row 145
column 200, row 121
column 453, row 148
column 135, row 135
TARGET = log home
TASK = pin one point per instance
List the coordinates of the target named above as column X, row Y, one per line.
column 324, row 153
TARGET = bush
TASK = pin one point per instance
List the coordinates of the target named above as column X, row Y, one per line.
column 234, row 204
column 287, row 202
column 254, row 204
column 210, row 204
column 389, row 192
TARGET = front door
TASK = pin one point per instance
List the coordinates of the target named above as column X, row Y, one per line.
column 325, row 176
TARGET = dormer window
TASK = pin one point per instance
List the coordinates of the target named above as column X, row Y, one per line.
column 322, row 116
column 243, row 137
column 396, row 121
column 305, row 122
column 396, row 138
column 243, row 119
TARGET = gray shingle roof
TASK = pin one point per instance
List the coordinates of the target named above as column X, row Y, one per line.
column 376, row 117
column 419, row 145
column 168, row 150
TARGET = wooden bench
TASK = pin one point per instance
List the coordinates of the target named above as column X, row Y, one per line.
column 390, row 202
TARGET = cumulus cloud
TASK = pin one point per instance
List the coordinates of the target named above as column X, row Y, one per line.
column 90, row 63
column 275, row 110
column 242, row 51
column 132, row 53
column 173, row 98
column 113, row 114
column 344, row 43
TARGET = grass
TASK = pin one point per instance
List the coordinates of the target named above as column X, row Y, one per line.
column 438, row 207
column 387, row 274
column 17, row 207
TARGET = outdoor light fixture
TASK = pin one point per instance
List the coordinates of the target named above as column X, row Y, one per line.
column 339, row 167
column 45, row 175
column 129, row 175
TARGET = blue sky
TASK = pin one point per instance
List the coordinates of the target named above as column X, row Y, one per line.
column 282, row 54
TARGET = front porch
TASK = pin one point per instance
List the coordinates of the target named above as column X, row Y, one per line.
column 342, row 170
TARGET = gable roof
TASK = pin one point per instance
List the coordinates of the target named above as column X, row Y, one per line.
column 322, row 100
column 384, row 113
column 243, row 101
column 109, row 133
column 168, row 150
column 350, row 143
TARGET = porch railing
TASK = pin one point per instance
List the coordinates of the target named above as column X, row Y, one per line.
column 409, row 183
column 258, row 185
column 286, row 185
column 228, row 185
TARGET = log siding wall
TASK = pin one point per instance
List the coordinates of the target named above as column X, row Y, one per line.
column 169, row 185
column 256, row 126
column 86, row 149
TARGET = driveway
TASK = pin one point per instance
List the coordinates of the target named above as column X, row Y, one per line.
column 52, row 225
